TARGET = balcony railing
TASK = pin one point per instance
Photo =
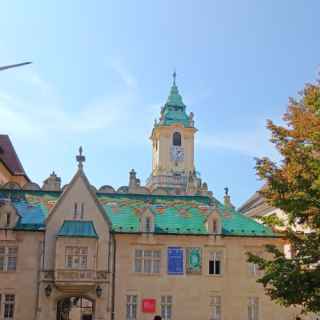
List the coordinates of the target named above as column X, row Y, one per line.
column 165, row 180
column 75, row 275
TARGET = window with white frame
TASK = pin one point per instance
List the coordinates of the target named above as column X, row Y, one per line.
column 132, row 303
column 8, row 258
column 253, row 308
column 215, row 263
column 166, row 307
column 8, row 306
column 76, row 257
column 147, row 261
column 215, row 306
column 253, row 269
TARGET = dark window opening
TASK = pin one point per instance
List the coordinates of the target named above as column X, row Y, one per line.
column 8, row 219
column 148, row 225
column 75, row 210
column 82, row 211
column 176, row 141
column 214, row 267
column 214, row 226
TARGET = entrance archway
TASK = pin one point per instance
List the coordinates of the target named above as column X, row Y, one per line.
column 75, row 308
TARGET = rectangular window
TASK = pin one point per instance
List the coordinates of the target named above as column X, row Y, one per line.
column 8, row 310
column 215, row 263
column 132, row 303
column 2, row 258
column 215, row 305
column 147, row 261
column 166, row 307
column 253, row 308
column 8, row 258
column 253, row 269
column 76, row 257
column 138, row 261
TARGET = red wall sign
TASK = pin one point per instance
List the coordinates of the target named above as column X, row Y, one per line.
column 149, row 305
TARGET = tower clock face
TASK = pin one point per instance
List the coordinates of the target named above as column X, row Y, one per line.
column 177, row 153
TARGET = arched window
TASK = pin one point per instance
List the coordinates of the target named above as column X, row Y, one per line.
column 176, row 139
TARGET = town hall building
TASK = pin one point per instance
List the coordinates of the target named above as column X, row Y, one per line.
column 169, row 247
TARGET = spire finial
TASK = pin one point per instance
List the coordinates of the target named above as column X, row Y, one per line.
column 174, row 75
column 80, row 158
column 226, row 191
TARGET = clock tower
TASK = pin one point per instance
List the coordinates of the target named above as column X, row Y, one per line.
column 173, row 146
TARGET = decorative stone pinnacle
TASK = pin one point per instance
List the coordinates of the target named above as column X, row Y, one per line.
column 80, row 158
column 174, row 75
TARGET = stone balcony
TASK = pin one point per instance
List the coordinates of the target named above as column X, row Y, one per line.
column 75, row 280
column 75, row 275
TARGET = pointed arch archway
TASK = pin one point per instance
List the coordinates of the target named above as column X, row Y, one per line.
column 75, row 308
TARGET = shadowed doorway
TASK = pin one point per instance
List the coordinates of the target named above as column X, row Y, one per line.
column 75, row 308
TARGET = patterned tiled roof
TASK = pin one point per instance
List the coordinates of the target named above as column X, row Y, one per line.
column 173, row 214
column 76, row 228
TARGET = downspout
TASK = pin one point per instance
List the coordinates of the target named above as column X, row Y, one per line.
column 113, row 277
column 109, row 272
column 40, row 268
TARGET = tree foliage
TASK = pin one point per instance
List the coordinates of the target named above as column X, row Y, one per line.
column 293, row 185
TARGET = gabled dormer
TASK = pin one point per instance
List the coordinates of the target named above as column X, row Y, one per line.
column 8, row 215
column 147, row 224
column 213, row 222
column 77, row 222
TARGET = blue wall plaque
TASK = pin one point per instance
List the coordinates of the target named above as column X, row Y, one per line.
column 175, row 260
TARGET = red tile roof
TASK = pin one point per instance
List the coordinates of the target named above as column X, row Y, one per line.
column 9, row 157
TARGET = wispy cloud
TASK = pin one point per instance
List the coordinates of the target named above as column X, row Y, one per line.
column 254, row 143
column 123, row 72
column 25, row 118
column 117, row 114
column 41, row 114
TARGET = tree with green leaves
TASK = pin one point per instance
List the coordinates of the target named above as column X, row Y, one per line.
column 293, row 185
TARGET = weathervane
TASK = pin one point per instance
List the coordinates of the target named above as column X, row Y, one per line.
column 174, row 75
column 80, row 158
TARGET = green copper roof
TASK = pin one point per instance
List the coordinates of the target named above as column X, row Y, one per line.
column 77, row 228
column 176, row 215
column 174, row 111
column 172, row 214
column 175, row 98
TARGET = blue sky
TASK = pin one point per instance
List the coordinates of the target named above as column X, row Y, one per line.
column 102, row 69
